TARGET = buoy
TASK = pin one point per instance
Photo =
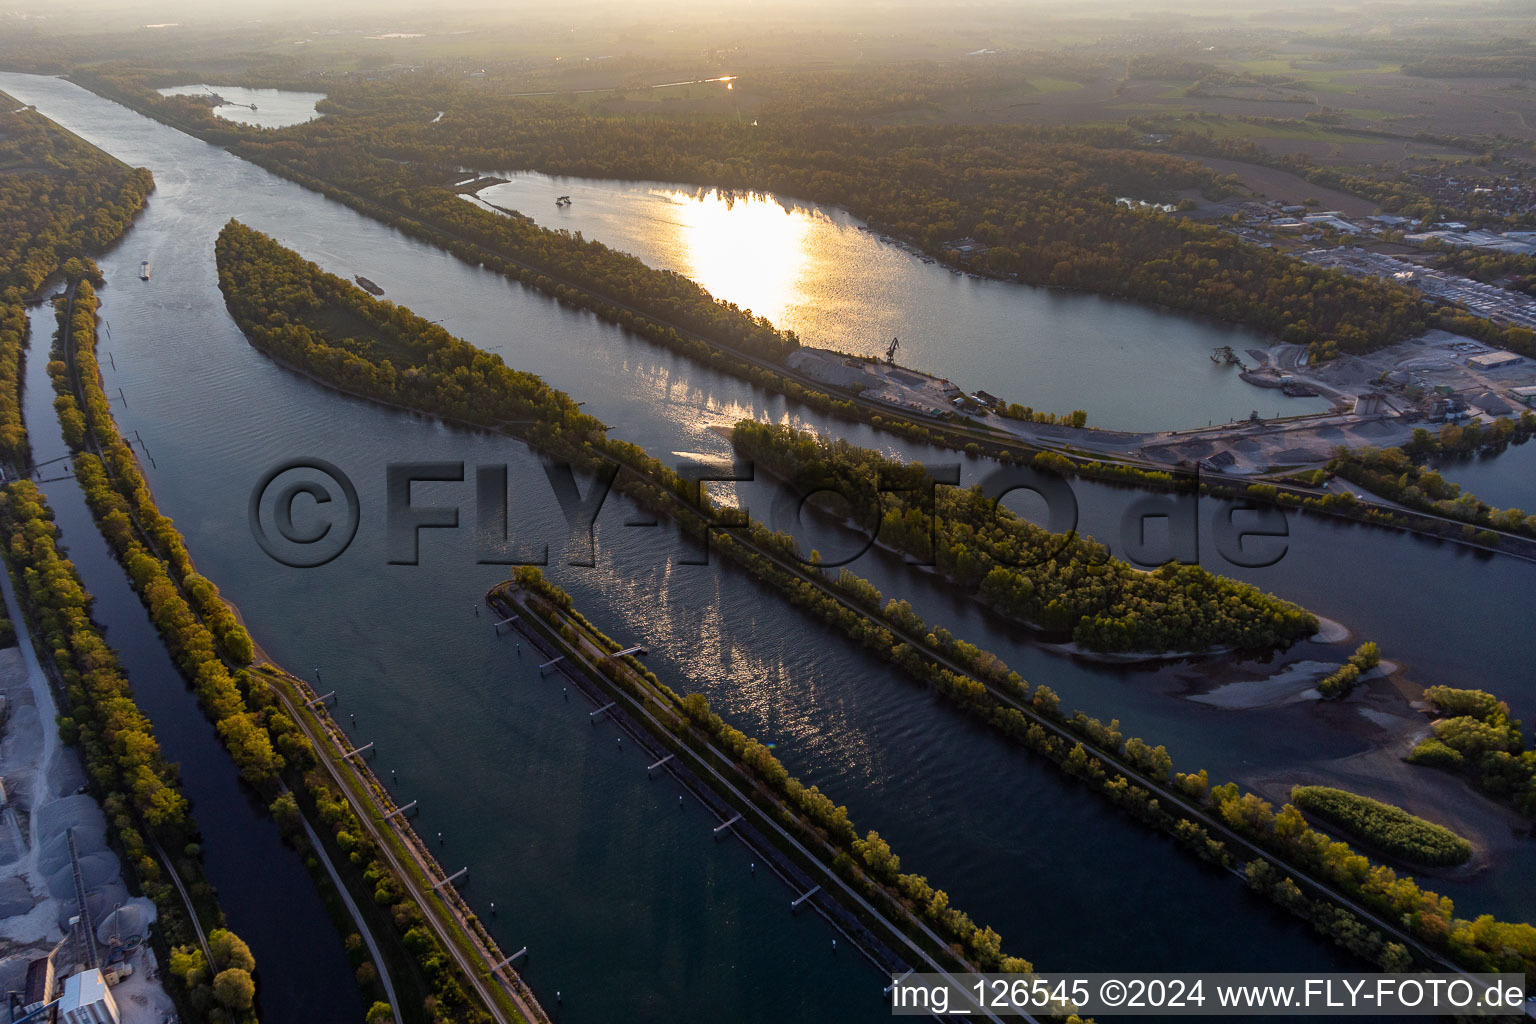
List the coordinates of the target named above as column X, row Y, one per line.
column 754, row 867
column 834, row 945
column 679, row 801
column 621, row 741
column 439, row 839
column 493, row 908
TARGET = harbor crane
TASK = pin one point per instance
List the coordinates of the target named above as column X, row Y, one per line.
column 890, row 350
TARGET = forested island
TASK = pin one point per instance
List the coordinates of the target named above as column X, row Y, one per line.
column 1475, row 736
column 1064, row 583
column 1383, row 826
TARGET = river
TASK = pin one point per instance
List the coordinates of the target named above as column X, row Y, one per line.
column 302, row 971
column 627, row 905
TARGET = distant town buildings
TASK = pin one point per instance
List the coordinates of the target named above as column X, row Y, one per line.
column 1521, row 243
column 1485, row 300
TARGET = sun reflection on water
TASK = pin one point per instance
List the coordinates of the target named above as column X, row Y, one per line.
column 749, row 248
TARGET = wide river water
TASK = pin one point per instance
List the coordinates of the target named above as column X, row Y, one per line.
column 817, row 271
column 630, row 910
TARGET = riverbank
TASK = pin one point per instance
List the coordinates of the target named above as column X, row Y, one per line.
column 122, row 488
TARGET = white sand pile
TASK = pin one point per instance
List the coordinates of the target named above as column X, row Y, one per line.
column 129, row 921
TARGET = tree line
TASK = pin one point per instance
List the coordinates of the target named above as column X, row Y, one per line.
column 139, row 789
column 60, row 199
column 1402, row 474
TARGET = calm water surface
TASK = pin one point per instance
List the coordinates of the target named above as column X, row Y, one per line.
column 274, row 108
column 816, row 271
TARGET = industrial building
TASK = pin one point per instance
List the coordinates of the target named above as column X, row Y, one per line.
column 1370, row 404
column 1493, row 360
column 87, row 1000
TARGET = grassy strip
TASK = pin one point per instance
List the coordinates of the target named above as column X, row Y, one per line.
column 1387, row 828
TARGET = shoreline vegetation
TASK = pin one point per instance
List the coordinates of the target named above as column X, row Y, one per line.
column 1340, row 682
column 1058, row 583
column 276, row 757
column 1399, row 474
column 1474, row 736
column 142, row 797
column 1366, row 908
